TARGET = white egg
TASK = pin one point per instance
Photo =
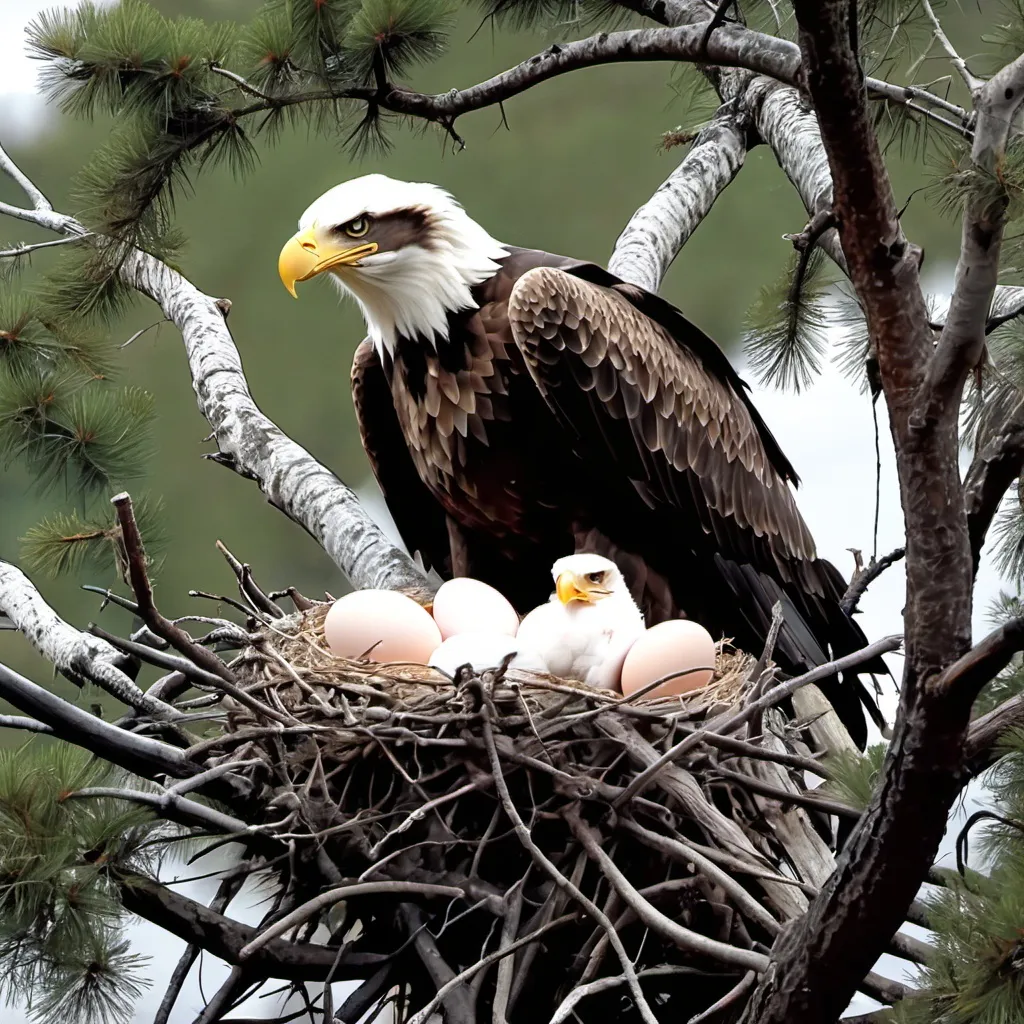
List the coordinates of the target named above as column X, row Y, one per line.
column 465, row 605
column 676, row 646
column 380, row 625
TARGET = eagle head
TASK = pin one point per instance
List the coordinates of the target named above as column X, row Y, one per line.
column 406, row 251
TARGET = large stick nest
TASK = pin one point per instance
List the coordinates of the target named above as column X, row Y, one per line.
column 475, row 813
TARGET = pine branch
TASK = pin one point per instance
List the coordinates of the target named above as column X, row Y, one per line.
column 138, row 754
column 784, row 336
column 78, row 656
column 224, row 938
column 659, row 229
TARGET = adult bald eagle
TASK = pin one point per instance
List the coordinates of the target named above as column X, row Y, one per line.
column 517, row 406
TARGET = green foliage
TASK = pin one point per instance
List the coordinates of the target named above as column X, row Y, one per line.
column 63, row 417
column 386, row 37
column 784, row 337
column 976, row 975
column 854, row 776
column 61, row 948
column 65, row 542
column 1006, row 35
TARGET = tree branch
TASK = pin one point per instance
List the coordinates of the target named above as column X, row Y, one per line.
column 78, row 656
column 139, row 754
column 989, row 477
column 860, row 583
column 962, row 343
column 659, row 229
column 219, row 935
column 250, row 443
column 959, row 63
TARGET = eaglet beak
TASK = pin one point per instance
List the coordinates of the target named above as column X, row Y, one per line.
column 303, row 257
column 570, row 587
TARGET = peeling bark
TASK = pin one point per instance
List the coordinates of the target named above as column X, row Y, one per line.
column 78, row 656
column 659, row 229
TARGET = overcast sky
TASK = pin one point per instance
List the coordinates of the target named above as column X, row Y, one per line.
column 827, row 433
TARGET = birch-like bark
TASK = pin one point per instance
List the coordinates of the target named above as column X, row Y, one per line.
column 256, row 447
column 79, row 656
column 659, row 229
column 962, row 343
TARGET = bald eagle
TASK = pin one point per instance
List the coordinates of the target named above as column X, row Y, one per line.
column 517, row 406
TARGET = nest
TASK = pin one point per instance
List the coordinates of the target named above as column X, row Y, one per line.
column 497, row 847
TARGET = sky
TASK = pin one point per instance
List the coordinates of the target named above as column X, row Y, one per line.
column 827, row 433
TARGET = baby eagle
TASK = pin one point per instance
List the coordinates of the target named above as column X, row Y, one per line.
column 588, row 626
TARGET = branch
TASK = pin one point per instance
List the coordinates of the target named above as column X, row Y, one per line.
column 989, row 477
column 962, row 343
column 659, row 229
column 78, row 656
column 860, row 583
column 175, row 807
column 959, row 63
column 682, row 937
column 964, row 679
column 13, row 171
column 139, row 754
column 730, row 46
column 221, row 936
column 983, row 736
column 344, row 892
column 250, row 443
column 136, row 558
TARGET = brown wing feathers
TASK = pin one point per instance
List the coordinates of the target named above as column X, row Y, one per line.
column 658, row 399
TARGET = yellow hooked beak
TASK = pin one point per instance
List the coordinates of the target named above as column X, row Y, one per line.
column 303, row 257
column 571, row 587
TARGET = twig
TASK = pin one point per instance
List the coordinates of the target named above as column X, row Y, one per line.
column 958, row 62
column 717, row 20
column 345, row 892
column 523, row 834
column 249, row 588
column 860, row 583
column 734, row 995
column 676, row 848
column 568, row 1005
column 774, row 696
column 684, row 938
column 759, row 753
column 163, row 627
column 814, row 803
column 160, row 659
column 24, row 250
column 423, row 1015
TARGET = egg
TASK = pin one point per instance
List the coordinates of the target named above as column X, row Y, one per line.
column 381, row 625
column 465, row 605
column 668, row 647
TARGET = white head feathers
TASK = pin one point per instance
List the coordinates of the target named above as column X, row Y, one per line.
column 408, row 290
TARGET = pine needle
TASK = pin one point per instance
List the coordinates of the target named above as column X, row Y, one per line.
column 784, row 337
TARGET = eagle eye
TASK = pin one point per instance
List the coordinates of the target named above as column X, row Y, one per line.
column 595, row 577
column 357, row 227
